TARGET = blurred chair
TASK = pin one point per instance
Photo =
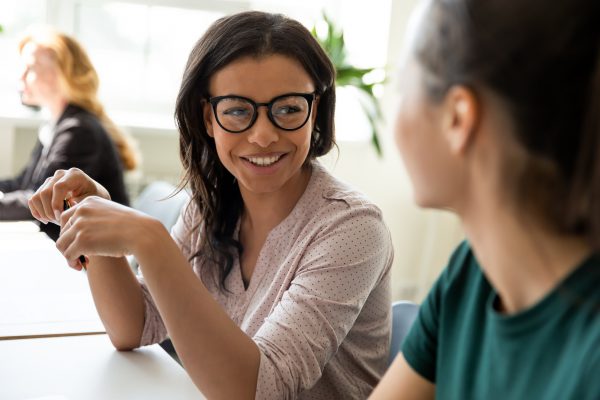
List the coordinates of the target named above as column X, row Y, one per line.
column 155, row 201
column 404, row 314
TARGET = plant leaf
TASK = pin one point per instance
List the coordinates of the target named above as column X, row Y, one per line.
column 348, row 75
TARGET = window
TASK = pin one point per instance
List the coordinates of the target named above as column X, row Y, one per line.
column 144, row 52
column 15, row 17
column 140, row 47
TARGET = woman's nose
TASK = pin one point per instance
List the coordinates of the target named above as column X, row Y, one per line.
column 263, row 132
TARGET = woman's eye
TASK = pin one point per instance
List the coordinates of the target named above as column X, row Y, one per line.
column 287, row 110
column 236, row 112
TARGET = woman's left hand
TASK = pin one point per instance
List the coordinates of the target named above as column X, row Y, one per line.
column 99, row 227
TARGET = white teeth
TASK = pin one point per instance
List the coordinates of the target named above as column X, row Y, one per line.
column 264, row 161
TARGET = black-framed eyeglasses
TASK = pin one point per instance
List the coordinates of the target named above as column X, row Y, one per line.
column 289, row 112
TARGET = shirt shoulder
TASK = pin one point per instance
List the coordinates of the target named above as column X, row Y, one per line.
column 334, row 199
column 331, row 206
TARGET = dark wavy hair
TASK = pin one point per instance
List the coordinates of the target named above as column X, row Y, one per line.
column 214, row 190
column 543, row 60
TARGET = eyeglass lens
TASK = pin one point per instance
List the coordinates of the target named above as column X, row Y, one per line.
column 237, row 114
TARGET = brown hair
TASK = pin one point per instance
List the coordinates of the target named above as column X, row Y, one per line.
column 543, row 59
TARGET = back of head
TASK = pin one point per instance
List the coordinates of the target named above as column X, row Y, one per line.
column 79, row 83
column 543, row 60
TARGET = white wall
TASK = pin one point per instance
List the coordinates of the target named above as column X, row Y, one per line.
column 423, row 239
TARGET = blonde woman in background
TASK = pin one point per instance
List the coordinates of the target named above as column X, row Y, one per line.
column 59, row 77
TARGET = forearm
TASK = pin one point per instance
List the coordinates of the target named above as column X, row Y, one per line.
column 402, row 382
column 119, row 300
column 210, row 345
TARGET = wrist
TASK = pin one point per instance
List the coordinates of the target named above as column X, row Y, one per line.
column 147, row 238
column 102, row 192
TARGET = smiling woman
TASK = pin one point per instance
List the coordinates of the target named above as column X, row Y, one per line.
column 276, row 273
column 263, row 160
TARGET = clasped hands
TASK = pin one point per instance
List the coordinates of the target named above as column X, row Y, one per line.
column 94, row 225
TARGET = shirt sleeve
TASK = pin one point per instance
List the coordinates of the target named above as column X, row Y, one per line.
column 420, row 347
column 10, row 185
column 337, row 273
column 154, row 330
column 421, row 344
column 591, row 386
column 14, row 206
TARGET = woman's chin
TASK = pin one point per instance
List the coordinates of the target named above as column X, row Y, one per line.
column 423, row 200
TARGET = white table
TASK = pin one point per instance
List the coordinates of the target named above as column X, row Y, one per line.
column 89, row 368
column 39, row 294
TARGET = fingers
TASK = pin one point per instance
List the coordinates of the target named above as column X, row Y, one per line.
column 39, row 203
column 95, row 226
column 74, row 185
column 71, row 239
column 36, row 206
column 46, row 204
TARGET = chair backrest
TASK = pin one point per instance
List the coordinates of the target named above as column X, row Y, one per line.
column 154, row 200
column 404, row 314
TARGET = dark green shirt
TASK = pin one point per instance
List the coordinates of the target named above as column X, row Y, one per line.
column 470, row 351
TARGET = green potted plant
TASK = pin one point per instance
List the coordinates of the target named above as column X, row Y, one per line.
column 332, row 40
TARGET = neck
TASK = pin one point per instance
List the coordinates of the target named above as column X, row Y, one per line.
column 264, row 211
column 523, row 260
column 56, row 107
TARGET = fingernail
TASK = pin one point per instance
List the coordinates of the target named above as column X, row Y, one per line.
column 57, row 215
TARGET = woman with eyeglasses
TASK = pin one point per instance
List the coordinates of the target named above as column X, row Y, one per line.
column 275, row 281
column 500, row 122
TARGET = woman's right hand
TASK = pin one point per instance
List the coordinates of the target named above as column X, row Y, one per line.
column 47, row 202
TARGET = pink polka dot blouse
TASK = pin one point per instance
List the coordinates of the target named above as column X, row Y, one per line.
column 318, row 303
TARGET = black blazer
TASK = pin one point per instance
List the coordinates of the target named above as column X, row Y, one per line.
column 79, row 141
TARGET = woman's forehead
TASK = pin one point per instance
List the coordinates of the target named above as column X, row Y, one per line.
column 33, row 54
column 261, row 78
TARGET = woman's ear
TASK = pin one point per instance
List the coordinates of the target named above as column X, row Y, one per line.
column 207, row 116
column 461, row 114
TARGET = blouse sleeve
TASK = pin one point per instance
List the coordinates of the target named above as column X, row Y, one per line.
column 154, row 330
column 338, row 271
